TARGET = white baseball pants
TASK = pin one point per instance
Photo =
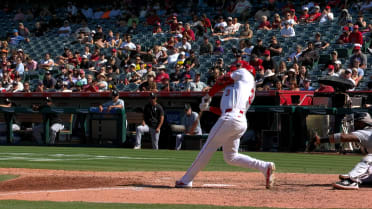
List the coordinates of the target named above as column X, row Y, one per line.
column 363, row 170
column 226, row 133
column 141, row 129
column 38, row 130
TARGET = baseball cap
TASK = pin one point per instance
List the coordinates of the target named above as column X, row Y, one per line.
column 15, row 31
column 113, row 50
column 93, row 31
column 142, row 62
column 153, row 95
column 7, row 101
column 328, row 7
column 305, row 8
column 292, row 10
column 331, row 67
column 218, row 42
column 84, row 56
column 317, row 7
column 132, row 65
column 356, row 48
column 47, row 73
column 48, row 99
column 114, row 93
column 15, row 83
column 267, row 52
column 183, row 53
column 82, row 71
column 187, row 106
column 307, row 80
column 338, row 62
column 149, row 65
column 98, row 26
column 229, row 18
column 363, row 117
column 348, row 70
column 20, row 50
column 187, row 65
column 356, row 26
column 292, row 70
column 345, row 28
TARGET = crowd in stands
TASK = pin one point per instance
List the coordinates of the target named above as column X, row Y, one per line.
column 195, row 42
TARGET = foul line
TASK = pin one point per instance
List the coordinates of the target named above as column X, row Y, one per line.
column 75, row 190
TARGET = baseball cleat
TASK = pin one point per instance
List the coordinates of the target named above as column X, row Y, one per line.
column 269, row 175
column 344, row 176
column 137, row 147
column 180, row 184
column 346, row 185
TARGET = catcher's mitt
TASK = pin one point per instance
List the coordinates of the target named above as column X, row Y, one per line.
column 313, row 143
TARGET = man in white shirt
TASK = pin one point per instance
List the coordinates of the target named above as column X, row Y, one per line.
column 128, row 45
column 184, row 45
column 327, row 15
column 220, row 26
column 197, row 85
column 173, row 57
column 288, row 31
column 65, row 30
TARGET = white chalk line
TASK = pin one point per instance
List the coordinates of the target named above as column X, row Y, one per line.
column 74, row 190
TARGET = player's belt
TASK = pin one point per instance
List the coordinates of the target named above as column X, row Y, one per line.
column 229, row 110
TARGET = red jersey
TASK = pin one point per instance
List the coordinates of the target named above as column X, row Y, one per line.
column 356, row 37
column 256, row 63
column 304, row 18
column 315, row 17
column 344, row 38
column 191, row 33
column 262, row 25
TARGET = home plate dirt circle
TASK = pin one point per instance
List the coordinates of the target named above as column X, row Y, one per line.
column 292, row 190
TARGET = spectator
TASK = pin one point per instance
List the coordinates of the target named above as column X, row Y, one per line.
column 318, row 43
column 191, row 123
column 127, row 44
column 153, row 115
column 262, row 12
column 360, row 22
column 39, row 87
column 277, row 23
column 176, row 76
column 190, row 35
column 184, row 45
column 192, row 60
column 256, row 62
column 354, row 76
column 206, row 47
column 19, row 16
column 344, row 38
column 358, row 55
column 347, row 76
column 275, row 48
column 49, row 82
column 265, row 24
column 315, row 17
column 197, row 85
column 278, row 85
column 288, row 30
column 161, row 74
column 302, row 75
column 309, row 56
column 149, row 85
column 356, row 64
column 282, row 70
column 157, row 29
column 344, row 18
column 102, row 84
column 218, row 49
column 269, row 78
column 307, row 86
column 259, row 49
column 331, row 71
column 142, row 69
column 55, row 122
column 91, row 85
column 23, row 31
column 188, row 71
column 268, row 63
column 65, row 30
column 16, row 38
column 242, row 8
column 20, row 68
column 247, row 50
column 304, row 18
column 133, row 30
column 236, row 24
column 220, row 26
column 295, row 55
column 356, row 36
column 17, row 86
column 327, row 15
column 26, row 87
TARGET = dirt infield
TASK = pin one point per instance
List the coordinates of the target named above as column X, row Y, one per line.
column 212, row 188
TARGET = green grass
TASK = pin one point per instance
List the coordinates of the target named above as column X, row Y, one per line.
column 116, row 159
column 11, row 204
column 7, row 177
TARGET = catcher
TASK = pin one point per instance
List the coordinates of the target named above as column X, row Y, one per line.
column 361, row 173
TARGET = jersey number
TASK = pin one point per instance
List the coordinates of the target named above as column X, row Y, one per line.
column 250, row 99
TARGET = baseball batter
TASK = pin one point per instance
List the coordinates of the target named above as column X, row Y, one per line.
column 361, row 173
column 239, row 85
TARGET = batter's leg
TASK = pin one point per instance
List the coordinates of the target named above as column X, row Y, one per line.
column 362, row 170
column 220, row 132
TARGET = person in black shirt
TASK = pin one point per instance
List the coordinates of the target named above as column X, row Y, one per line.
column 259, row 49
column 275, row 48
column 192, row 60
column 176, row 76
column 153, row 115
column 54, row 121
column 49, row 82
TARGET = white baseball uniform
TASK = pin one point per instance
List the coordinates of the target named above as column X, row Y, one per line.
column 232, row 124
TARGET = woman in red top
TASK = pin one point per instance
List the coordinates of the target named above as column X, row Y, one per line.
column 305, row 15
column 265, row 24
column 277, row 22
